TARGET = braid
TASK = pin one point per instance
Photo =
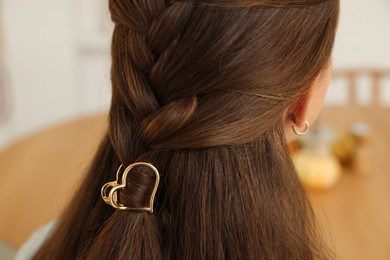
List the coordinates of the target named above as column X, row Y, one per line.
column 143, row 41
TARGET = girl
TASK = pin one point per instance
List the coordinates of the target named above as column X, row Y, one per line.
column 206, row 94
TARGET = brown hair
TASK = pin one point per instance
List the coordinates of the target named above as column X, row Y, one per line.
column 200, row 90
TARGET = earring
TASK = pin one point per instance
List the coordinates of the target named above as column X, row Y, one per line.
column 300, row 133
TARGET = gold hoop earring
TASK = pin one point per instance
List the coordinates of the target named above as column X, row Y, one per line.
column 300, row 133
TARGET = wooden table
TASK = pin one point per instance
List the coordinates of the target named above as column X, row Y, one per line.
column 39, row 173
column 355, row 214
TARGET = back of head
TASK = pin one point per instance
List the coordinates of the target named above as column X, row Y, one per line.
column 200, row 90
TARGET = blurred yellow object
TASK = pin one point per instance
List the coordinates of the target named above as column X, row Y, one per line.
column 352, row 148
column 317, row 171
column 344, row 148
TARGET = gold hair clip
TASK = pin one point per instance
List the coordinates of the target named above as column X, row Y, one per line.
column 112, row 199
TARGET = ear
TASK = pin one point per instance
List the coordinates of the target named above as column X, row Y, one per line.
column 308, row 105
column 299, row 111
column 305, row 108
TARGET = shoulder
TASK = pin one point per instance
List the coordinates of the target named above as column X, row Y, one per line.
column 33, row 243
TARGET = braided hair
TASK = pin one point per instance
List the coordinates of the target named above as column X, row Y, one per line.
column 200, row 90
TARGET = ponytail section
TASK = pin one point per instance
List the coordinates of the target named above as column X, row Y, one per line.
column 127, row 235
column 132, row 192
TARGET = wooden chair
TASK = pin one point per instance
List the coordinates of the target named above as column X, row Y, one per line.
column 375, row 78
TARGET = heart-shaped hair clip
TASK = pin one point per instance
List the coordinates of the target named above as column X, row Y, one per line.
column 120, row 183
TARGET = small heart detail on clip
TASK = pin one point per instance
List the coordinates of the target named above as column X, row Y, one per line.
column 111, row 185
column 112, row 199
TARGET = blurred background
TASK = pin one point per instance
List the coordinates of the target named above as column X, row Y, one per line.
column 55, row 91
